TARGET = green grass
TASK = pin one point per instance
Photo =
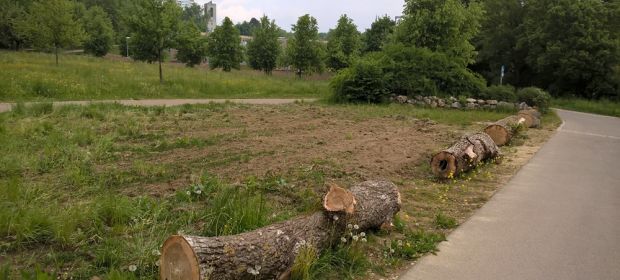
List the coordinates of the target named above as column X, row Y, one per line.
column 601, row 107
column 35, row 77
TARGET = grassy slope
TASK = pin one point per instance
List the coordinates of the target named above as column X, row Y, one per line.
column 602, row 107
column 34, row 76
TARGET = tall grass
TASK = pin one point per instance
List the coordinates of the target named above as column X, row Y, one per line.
column 601, row 107
column 33, row 76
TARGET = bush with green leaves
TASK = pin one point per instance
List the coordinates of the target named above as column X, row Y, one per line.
column 191, row 46
column 362, row 82
column 99, row 31
column 501, row 93
column 534, row 96
column 419, row 71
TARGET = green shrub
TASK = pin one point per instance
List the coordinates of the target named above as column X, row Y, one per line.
column 443, row 221
column 418, row 71
column 501, row 93
column 362, row 82
column 534, row 96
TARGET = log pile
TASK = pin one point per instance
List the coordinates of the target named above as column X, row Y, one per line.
column 464, row 155
column 503, row 130
column 269, row 252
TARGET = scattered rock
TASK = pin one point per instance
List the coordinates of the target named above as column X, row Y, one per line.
column 455, row 105
column 470, row 100
column 441, row 103
column 481, row 102
column 471, row 105
column 401, row 99
column 492, row 102
column 523, row 106
column 433, row 104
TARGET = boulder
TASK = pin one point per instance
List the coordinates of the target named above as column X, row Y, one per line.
column 455, row 105
column 470, row 100
column 492, row 102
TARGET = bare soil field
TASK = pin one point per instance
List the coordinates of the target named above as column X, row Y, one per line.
column 285, row 153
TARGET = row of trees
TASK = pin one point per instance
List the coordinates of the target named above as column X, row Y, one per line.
column 456, row 47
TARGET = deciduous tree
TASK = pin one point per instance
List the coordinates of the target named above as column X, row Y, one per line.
column 153, row 26
column 225, row 47
column 378, row 34
column 191, row 46
column 264, row 48
column 304, row 49
column 52, row 24
column 99, row 31
column 343, row 45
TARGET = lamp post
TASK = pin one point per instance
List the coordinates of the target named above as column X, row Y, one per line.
column 127, row 44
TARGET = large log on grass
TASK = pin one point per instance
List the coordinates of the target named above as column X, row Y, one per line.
column 464, row 155
column 531, row 116
column 270, row 252
column 503, row 130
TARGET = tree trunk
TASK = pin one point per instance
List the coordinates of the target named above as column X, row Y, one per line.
column 161, row 74
column 531, row 116
column 464, row 155
column 270, row 252
column 503, row 130
column 56, row 53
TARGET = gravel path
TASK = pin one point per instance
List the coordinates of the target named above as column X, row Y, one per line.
column 4, row 107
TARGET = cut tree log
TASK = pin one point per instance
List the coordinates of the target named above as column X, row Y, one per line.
column 464, row 155
column 503, row 130
column 531, row 116
column 270, row 252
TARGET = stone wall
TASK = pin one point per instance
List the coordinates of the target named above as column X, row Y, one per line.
column 451, row 102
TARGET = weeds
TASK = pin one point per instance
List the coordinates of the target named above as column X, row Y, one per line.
column 445, row 222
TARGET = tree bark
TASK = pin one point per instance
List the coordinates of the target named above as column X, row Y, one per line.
column 464, row 155
column 270, row 252
column 531, row 116
column 503, row 130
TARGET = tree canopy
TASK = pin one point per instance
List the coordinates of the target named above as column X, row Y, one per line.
column 153, row 26
column 343, row 44
column 264, row 48
column 378, row 34
column 304, row 49
column 99, row 31
column 225, row 47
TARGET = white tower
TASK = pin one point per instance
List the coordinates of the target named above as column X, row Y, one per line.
column 211, row 13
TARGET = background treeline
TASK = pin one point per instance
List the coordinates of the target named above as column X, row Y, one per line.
column 443, row 47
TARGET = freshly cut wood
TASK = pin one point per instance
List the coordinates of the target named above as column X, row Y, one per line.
column 464, row 155
column 531, row 116
column 269, row 252
column 503, row 130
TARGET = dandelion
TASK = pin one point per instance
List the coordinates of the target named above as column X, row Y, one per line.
column 133, row 268
column 392, row 251
column 188, row 193
column 349, row 226
column 355, row 237
column 362, row 234
column 157, row 263
column 344, row 240
column 198, row 191
column 335, row 218
column 356, row 227
column 364, row 239
column 254, row 270
column 155, row 252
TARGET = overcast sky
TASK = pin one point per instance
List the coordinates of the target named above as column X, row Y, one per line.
column 326, row 12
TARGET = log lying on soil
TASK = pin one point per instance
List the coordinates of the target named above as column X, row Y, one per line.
column 502, row 131
column 269, row 252
column 464, row 155
column 531, row 116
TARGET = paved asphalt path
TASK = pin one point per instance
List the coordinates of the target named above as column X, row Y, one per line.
column 558, row 218
column 4, row 107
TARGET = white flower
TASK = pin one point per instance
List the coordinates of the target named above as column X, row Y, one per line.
column 279, row 232
column 155, row 252
column 355, row 237
column 188, row 193
column 344, row 240
column 349, row 226
column 198, row 191
column 364, row 239
column 133, row 268
column 157, row 263
column 356, row 227
column 254, row 270
column 363, row 234
column 392, row 251
column 335, row 218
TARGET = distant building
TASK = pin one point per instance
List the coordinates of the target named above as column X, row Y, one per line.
column 211, row 13
column 185, row 3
